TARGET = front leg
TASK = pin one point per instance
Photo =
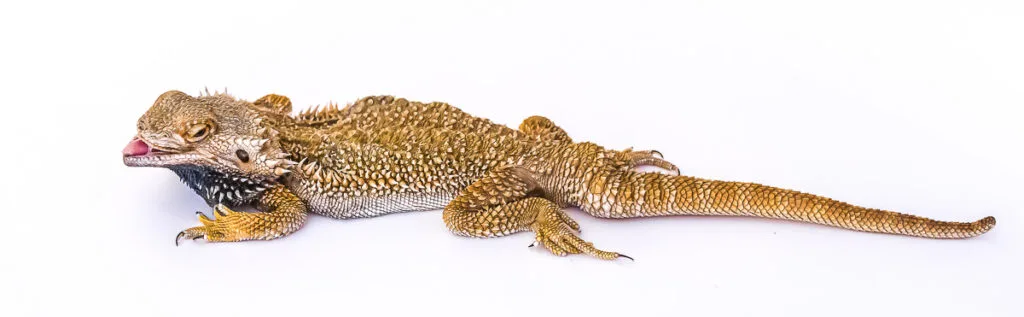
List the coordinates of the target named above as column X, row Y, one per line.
column 281, row 214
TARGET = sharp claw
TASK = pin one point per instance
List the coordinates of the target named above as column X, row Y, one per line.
column 203, row 236
column 532, row 244
column 626, row 256
column 658, row 153
column 178, row 237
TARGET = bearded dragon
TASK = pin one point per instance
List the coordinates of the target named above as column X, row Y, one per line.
column 383, row 155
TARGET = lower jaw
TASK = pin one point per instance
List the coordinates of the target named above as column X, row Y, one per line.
column 151, row 161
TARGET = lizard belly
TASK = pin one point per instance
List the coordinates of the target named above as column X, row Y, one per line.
column 346, row 207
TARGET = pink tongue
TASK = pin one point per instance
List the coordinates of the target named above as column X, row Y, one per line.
column 135, row 148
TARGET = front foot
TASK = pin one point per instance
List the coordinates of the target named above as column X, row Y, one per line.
column 555, row 231
column 226, row 226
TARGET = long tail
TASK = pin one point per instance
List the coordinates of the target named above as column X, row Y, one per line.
column 631, row 195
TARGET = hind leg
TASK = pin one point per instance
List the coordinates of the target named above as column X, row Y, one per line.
column 502, row 203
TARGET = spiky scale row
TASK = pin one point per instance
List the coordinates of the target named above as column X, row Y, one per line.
column 329, row 113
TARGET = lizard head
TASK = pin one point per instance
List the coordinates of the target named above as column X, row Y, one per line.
column 218, row 145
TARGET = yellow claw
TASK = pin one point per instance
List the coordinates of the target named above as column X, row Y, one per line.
column 190, row 233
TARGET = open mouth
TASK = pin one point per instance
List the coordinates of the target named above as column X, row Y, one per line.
column 138, row 147
column 140, row 153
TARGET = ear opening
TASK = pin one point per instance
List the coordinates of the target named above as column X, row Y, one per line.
column 274, row 103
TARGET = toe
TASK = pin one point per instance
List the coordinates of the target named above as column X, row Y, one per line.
column 554, row 248
column 568, row 246
column 206, row 221
column 588, row 248
column 575, row 226
column 190, row 234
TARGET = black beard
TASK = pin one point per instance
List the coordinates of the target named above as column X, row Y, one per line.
column 219, row 188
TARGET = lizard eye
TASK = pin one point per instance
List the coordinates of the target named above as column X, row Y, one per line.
column 242, row 155
column 198, row 132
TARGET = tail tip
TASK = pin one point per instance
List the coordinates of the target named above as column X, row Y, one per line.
column 986, row 224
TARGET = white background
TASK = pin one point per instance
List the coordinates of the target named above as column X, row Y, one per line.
column 905, row 105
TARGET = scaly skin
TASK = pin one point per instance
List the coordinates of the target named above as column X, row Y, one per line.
column 383, row 155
